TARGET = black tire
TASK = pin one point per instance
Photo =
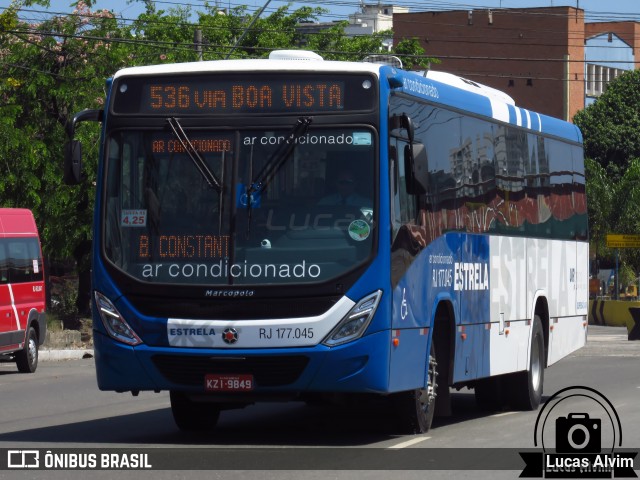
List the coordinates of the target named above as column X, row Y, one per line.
column 489, row 394
column 524, row 389
column 27, row 358
column 416, row 408
column 193, row 416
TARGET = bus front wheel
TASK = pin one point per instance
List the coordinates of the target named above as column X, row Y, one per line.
column 192, row 416
column 415, row 408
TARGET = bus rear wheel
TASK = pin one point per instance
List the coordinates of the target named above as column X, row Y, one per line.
column 416, row 408
column 27, row 358
column 489, row 393
column 524, row 389
column 192, row 416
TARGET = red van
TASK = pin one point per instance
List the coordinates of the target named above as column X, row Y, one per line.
column 23, row 323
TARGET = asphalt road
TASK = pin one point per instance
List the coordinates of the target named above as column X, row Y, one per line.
column 60, row 407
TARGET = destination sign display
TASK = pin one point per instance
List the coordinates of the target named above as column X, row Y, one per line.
column 198, row 246
column 246, row 93
column 202, row 144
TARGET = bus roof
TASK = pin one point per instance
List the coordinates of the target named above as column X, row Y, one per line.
column 250, row 65
column 468, row 96
column 437, row 87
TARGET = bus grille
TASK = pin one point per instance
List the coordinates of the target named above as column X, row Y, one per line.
column 267, row 371
column 234, row 309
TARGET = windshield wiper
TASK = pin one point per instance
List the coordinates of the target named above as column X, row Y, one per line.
column 274, row 162
column 198, row 161
column 277, row 159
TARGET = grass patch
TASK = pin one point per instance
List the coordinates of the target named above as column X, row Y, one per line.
column 54, row 323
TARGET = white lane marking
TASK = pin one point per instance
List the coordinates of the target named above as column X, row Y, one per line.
column 504, row 414
column 408, row 443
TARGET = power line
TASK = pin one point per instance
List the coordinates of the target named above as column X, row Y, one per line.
column 189, row 47
column 414, row 7
column 535, row 32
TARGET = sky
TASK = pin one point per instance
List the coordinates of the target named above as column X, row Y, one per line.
column 595, row 10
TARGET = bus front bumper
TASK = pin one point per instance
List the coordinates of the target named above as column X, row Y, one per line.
column 358, row 366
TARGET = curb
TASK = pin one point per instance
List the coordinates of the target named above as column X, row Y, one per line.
column 63, row 354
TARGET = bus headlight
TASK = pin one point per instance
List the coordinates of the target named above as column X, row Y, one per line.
column 116, row 326
column 354, row 324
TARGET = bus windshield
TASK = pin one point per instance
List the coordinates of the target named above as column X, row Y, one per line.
column 191, row 206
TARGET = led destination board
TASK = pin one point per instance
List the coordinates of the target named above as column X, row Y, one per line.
column 197, row 246
column 209, row 95
column 202, row 145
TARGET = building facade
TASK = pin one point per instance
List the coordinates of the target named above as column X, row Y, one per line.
column 373, row 18
column 535, row 55
column 610, row 49
column 548, row 59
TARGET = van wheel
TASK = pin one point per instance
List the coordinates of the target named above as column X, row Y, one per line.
column 193, row 416
column 27, row 358
column 416, row 407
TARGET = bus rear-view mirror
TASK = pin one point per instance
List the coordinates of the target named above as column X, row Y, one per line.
column 72, row 162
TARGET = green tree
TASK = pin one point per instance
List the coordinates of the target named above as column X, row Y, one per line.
column 51, row 70
column 625, row 212
column 413, row 55
column 159, row 36
column 275, row 31
column 601, row 211
column 55, row 68
column 611, row 130
column 611, row 125
column 608, row 214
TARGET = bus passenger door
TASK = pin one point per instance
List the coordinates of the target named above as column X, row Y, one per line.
column 411, row 305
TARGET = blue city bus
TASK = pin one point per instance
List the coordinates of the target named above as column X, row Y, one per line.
column 301, row 229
